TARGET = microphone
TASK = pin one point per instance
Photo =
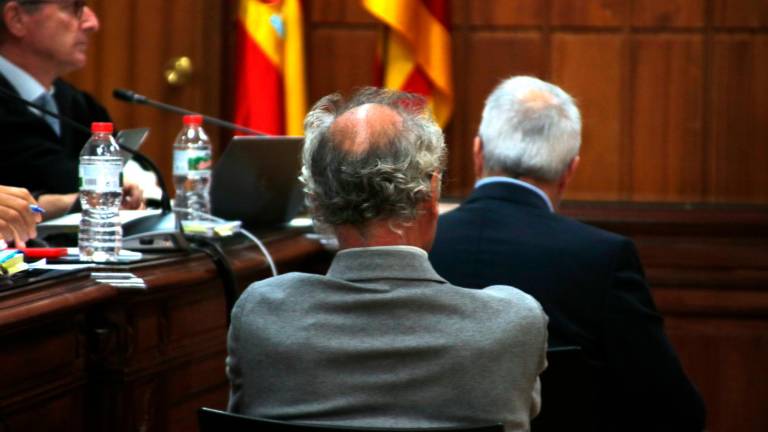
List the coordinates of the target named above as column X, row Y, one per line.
column 165, row 200
column 133, row 97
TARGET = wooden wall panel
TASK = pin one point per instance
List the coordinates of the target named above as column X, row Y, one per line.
column 335, row 11
column 340, row 60
column 738, row 119
column 588, row 67
column 501, row 13
column 668, row 13
column 726, row 360
column 740, row 13
column 137, row 39
column 594, row 13
column 490, row 57
column 613, row 54
column 666, row 118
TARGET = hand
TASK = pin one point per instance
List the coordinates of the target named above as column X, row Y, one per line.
column 17, row 221
column 56, row 205
column 133, row 197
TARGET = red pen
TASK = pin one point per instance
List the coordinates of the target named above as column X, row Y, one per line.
column 43, row 252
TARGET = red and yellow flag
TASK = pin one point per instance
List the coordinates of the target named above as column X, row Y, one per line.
column 417, row 50
column 271, row 89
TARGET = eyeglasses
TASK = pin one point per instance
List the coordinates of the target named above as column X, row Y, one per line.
column 75, row 6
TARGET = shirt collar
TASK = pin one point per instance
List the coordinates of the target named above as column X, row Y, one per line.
column 500, row 179
column 24, row 83
column 386, row 248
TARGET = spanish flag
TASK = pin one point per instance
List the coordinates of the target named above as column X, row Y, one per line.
column 417, row 50
column 271, row 89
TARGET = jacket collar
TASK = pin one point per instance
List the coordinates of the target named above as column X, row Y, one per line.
column 361, row 264
column 509, row 192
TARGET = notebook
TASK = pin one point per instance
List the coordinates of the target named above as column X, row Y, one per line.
column 256, row 181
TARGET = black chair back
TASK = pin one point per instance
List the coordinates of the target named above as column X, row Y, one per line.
column 567, row 388
column 211, row 420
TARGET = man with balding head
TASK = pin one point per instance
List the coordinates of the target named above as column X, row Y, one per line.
column 381, row 339
column 589, row 281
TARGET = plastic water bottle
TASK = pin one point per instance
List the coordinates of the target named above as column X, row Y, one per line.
column 101, row 235
column 192, row 170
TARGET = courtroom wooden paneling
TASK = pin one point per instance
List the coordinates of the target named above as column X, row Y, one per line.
column 357, row 48
column 337, row 12
column 136, row 40
column 708, row 271
column 634, row 67
column 740, row 13
column 482, row 73
column 647, row 74
column 668, row 112
column 36, row 383
column 597, row 13
column 578, row 62
column 668, row 13
column 494, row 13
column 738, row 113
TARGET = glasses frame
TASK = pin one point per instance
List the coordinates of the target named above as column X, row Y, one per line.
column 76, row 7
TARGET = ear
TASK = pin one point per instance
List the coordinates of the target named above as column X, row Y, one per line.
column 477, row 156
column 14, row 18
column 569, row 172
column 432, row 205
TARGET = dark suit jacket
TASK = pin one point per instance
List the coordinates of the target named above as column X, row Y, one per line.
column 591, row 284
column 33, row 156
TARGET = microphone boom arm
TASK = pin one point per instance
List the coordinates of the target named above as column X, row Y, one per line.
column 133, row 97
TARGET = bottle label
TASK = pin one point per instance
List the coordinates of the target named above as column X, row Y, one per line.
column 101, row 178
column 191, row 161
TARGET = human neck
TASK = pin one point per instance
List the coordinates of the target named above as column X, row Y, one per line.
column 381, row 233
column 30, row 64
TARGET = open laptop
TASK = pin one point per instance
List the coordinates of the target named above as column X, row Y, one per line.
column 256, row 181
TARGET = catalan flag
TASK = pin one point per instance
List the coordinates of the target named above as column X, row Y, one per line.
column 417, row 50
column 271, row 89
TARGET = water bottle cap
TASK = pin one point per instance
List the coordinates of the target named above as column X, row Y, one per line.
column 193, row 119
column 97, row 127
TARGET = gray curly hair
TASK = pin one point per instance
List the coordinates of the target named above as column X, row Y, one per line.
column 387, row 177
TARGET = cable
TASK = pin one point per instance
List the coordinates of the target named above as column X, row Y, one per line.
column 224, row 267
column 263, row 250
column 245, row 232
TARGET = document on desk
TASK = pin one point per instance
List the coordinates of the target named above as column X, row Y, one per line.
column 70, row 223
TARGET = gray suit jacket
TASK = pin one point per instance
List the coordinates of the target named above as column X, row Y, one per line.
column 382, row 340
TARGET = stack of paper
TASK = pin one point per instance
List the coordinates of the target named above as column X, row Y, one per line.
column 12, row 261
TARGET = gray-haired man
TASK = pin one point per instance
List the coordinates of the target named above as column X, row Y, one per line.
column 589, row 281
column 382, row 340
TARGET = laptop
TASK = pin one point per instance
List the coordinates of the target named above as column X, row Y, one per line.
column 131, row 138
column 256, row 181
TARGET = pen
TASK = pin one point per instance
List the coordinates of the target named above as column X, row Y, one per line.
column 34, row 208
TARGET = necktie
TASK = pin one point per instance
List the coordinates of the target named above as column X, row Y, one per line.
column 46, row 101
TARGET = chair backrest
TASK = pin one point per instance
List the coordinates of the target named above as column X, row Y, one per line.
column 211, row 420
column 567, row 392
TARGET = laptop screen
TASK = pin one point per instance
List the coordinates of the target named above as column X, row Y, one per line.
column 256, row 180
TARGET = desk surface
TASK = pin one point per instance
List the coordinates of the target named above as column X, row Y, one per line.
column 81, row 355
